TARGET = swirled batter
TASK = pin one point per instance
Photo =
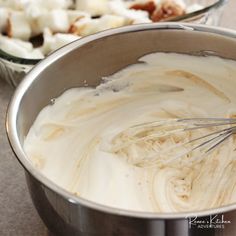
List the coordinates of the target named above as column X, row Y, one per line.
column 83, row 143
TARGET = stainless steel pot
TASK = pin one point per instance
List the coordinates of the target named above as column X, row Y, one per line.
column 84, row 62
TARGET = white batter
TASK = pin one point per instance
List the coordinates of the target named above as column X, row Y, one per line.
column 83, row 143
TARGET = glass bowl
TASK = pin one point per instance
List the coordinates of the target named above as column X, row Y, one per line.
column 13, row 69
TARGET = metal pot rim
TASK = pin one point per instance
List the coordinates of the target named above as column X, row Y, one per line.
column 11, row 120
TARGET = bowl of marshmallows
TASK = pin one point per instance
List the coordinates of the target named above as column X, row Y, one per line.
column 31, row 30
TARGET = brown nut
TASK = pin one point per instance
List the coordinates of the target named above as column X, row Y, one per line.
column 149, row 6
column 166, row 10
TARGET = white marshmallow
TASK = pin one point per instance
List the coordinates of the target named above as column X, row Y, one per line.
column 75, row 15
column 56, row 20
column 18, row 26
column 94, row 7
column 33, row 14
column 54, row 4
column 53, row 42
column 87, row 26
column 19, row 48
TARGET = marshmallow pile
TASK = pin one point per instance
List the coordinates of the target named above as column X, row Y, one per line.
column 60, row 22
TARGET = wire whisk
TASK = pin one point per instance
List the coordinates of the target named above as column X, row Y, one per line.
column 170, row 139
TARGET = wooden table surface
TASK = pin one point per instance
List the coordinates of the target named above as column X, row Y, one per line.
column 17, row 214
